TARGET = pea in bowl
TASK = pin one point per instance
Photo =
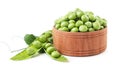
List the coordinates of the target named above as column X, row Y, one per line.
column 80, row 33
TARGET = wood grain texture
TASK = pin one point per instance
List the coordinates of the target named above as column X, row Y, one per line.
column 79, row 43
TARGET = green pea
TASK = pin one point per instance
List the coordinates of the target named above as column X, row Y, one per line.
column 84, row 18
column 91, row 17
column 75, row 29
column 97, row 18
column 48, row 35
column 64, row 29
column 37, row 44
column 104, row 22
column 77, row 9
column 71, row 25
column 89, row 13
column 64, row 18
column 72, row 21
column 96, row 25
column 72, row 16
column 88, row 24
column 50, row 49
column 42, row 38
column 57, row 26
column 64, row 24
column 78, row 23
column 57, row 21
column 55, row 54
column 79, row 13
column 30, row 51
column 83, row 28
column 47, row 45
column 101, row 27
column 91, row 29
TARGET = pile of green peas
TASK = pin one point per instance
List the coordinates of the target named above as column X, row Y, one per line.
column 80, row 21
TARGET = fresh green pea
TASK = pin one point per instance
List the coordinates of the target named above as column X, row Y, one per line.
column 71, row 25
column 104, row 22
column 64, row 29
column 89, row 13
column 47, row 34
column 37, row 44
column 64, row 24
column 83, row 28
column 88, row 24
column 50, row 49
column 96, row 25
column 57, row 21
column 78, row 23
column 57, row 26
column 91, row 17
column 72, row 16
column 79, row 13
column 91, row 29
column 71, row 21
column 75, row 29
column 101, row 27
column 97, row 18
column 30, row 51
column 42, row 38
column 84, row 18
column 55, row 54
column 64, row 18
column 47, row 45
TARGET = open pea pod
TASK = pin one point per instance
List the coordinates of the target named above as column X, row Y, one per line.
column 53, row 53
column 35, row 47
column 29, row 52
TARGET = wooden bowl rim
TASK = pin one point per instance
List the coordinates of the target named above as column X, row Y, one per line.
column 99, row 32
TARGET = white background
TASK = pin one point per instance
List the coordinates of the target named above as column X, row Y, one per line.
column 20, row 17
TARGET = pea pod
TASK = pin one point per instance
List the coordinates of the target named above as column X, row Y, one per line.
column 34, row 48
column 27, row 53
column 53, row 53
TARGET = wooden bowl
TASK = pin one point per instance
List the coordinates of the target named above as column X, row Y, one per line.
column 79, row 43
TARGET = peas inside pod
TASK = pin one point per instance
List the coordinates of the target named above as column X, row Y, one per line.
column 41, row 44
